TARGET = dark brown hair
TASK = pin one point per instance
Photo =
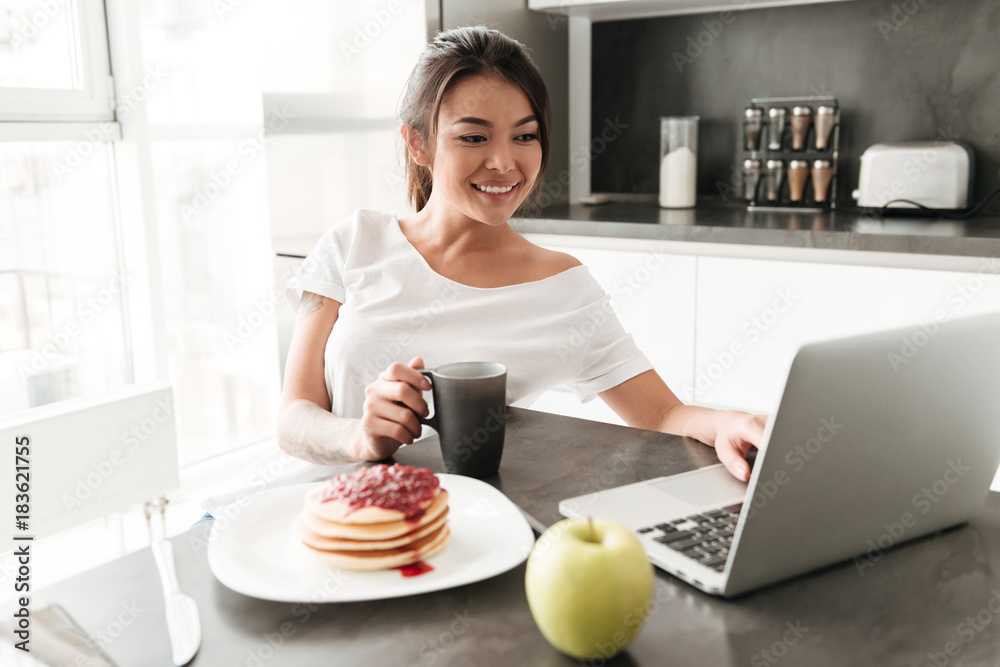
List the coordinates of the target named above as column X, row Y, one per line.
column 454, row 55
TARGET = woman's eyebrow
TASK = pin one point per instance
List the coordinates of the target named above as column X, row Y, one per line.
column 472, row 120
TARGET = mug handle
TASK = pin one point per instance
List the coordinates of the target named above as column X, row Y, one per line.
column 431, row 421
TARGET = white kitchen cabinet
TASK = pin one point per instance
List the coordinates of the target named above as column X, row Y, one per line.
column 736, row 371
column 721, row 331
column 613, row 10
column 561, row 401
column 829, row 301
column 763, row 310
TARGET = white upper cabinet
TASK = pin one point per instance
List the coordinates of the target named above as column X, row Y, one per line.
column 612, row 10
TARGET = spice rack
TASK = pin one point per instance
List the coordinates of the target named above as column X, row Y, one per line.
column 789, row 151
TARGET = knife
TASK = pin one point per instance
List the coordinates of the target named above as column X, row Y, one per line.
column 183, row 622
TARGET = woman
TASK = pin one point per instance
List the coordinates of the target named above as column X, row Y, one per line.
column 453, row 282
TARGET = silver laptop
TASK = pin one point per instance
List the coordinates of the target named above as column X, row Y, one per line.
column 877, row 439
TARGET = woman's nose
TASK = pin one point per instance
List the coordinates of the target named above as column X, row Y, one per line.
column 500, row 158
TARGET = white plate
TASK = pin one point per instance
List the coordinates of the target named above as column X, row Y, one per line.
column 257, row 552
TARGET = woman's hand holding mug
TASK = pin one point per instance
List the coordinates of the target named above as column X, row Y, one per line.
column 470, row 425
column 389, row 415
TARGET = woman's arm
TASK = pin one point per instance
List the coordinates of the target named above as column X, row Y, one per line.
column 306, row 427
column 645, row 401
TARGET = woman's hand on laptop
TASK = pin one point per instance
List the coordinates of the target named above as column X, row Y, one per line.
column 736, row 433
column 645, row 401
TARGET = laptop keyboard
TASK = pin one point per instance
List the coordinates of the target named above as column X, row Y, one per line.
column 705, row 537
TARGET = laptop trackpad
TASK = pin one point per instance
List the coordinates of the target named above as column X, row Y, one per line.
column 710, row 486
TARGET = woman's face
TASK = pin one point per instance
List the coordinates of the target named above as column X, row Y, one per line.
column 487, row 154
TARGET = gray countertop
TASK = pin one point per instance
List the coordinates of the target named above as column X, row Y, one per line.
column 732, row 228
column 913, row 603
column 715, row 222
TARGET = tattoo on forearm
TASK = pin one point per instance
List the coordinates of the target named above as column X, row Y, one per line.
column 307, row 437
column 310, row 303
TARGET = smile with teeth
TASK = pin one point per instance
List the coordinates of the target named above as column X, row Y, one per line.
column 493, row 189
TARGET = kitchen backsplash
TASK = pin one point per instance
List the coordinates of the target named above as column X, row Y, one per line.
column 901, row 70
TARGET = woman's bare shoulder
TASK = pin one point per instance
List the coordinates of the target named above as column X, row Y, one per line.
column 561, row 260
column 550, row 262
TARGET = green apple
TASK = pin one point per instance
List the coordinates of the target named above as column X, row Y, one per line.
column 589, row 586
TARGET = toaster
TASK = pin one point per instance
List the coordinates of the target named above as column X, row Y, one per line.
column 935, row 174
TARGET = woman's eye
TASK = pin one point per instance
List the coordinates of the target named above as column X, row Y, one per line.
column 530, row 136
column 472, row 139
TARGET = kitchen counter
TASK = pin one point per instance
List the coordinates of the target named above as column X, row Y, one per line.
column 913, row 602
column 713, row 222
column 714, row 228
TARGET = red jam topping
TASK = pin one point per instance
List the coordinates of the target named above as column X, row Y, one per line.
column 415, row 569
column 396, row 487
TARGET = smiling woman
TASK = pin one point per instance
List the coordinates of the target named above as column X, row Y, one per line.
column 493, row 156
column 464, row 72
column 475, row 124
column 486, row 163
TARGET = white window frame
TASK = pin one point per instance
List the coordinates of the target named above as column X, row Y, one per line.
column 83, row 117
column 94, row 100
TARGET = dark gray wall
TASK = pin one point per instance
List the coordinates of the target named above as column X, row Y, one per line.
column 901, row 70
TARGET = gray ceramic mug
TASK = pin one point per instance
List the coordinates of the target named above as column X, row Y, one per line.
column 470, row 401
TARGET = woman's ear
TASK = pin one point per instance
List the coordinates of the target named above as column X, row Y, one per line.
column 414, row 146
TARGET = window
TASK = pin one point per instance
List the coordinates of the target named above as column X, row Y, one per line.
column 206, row 136
column 341, row 79
column 135, row 214
column 153, row 195
column 62, row 282
column 62, row 331
column 54, row 61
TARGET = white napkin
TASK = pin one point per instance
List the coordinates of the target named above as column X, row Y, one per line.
column 270, row 471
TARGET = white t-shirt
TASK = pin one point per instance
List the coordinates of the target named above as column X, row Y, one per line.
column 550, row 332
column 556, row 331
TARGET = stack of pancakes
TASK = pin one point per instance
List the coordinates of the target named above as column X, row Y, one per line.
column 372, row 537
